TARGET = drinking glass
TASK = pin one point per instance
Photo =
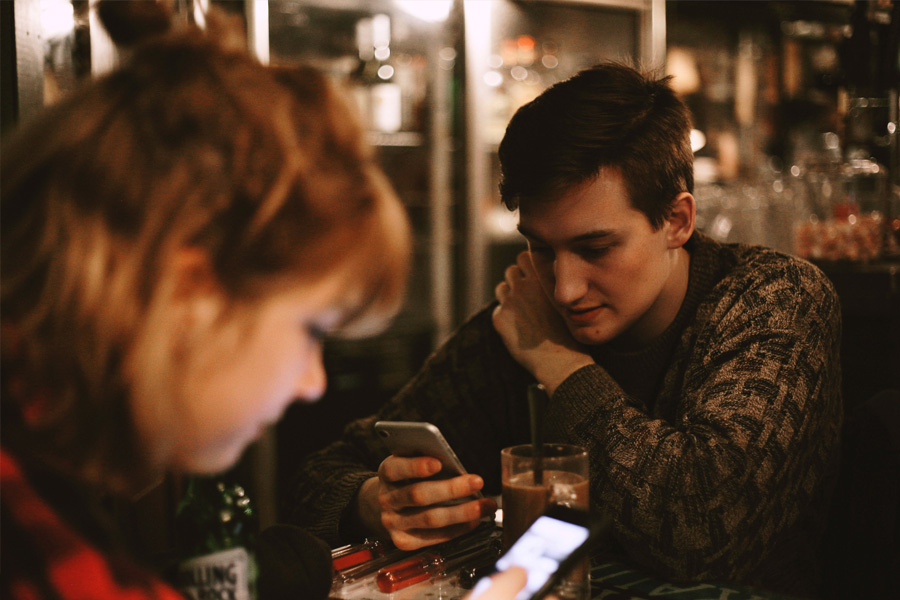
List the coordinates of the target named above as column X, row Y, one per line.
column 560, row 475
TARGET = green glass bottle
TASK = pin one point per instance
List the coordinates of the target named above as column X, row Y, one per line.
column 216, row 529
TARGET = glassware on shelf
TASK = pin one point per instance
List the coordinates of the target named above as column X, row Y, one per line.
column 520, row 68
column 849, row 214
column 759, row 211
column 392, row 84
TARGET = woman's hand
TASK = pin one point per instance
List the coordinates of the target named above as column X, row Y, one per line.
column 503, row 586
column 410, row 510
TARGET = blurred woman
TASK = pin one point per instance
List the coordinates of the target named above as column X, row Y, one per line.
column 177, row 238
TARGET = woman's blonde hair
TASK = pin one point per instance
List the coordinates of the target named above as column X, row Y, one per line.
column 186, row 145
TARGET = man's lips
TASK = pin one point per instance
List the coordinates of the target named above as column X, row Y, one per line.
column 585, row 315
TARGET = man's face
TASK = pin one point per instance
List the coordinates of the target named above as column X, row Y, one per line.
column 606, row 271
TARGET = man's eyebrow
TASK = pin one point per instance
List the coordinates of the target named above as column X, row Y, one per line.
column 597, row 234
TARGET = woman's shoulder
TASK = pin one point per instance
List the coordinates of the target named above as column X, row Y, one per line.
column 42, row 550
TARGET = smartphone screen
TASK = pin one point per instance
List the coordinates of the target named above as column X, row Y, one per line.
column 547, row 550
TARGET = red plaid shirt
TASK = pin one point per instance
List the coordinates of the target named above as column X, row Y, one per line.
column 45, row 557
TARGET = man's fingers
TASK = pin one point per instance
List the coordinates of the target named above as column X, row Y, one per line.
column 395, row 469
column 419, row 538
column 438, row 517
column 427, row 493
column 413, row 511
column 513, row 273
column 523, row 262
column 501, row 291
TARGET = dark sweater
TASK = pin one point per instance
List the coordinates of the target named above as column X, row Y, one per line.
column 715, row 447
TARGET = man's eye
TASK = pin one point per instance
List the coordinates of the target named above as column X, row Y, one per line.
column 595, row 252
column 542, row 251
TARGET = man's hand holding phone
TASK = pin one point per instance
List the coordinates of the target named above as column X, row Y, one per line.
column 407, row 503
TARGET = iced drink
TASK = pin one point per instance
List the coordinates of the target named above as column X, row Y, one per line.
column 564, row 480
column 523, row 501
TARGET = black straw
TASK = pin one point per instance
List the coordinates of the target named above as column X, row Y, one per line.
column 537, row 400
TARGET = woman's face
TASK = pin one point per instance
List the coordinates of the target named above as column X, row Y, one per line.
column 242, row 377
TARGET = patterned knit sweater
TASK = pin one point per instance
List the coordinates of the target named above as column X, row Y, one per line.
column 715, row 447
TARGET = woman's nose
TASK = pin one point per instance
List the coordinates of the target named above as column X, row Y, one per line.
column 312, row 381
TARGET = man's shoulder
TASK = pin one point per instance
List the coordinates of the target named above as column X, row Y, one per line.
column 476, row 328
column 773, row 270
column 476, row 336
column 746, row 267
column 766, row 287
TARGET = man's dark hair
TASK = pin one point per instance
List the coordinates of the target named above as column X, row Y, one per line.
column 606, row 115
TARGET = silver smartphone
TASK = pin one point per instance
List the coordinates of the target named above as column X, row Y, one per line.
column 417, row 438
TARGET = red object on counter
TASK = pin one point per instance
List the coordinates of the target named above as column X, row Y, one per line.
column 408, row 572
column 356, row 554
column 466, row 551
column 351, row 560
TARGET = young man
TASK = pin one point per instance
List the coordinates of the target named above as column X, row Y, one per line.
column 703, row 378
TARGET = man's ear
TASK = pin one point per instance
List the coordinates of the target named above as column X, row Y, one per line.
column 681, row 220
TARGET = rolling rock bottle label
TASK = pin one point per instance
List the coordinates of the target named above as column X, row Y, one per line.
column 221, row 576
column 216, row 528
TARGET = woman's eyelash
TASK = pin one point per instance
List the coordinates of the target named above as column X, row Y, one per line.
column 317, row 332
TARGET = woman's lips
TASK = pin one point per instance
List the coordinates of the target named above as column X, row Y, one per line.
column 584, row 315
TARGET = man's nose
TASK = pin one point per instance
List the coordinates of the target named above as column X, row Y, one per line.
column 570, row 282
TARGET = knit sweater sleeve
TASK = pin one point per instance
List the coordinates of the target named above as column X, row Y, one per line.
column 471, row 388
column 710, row 490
